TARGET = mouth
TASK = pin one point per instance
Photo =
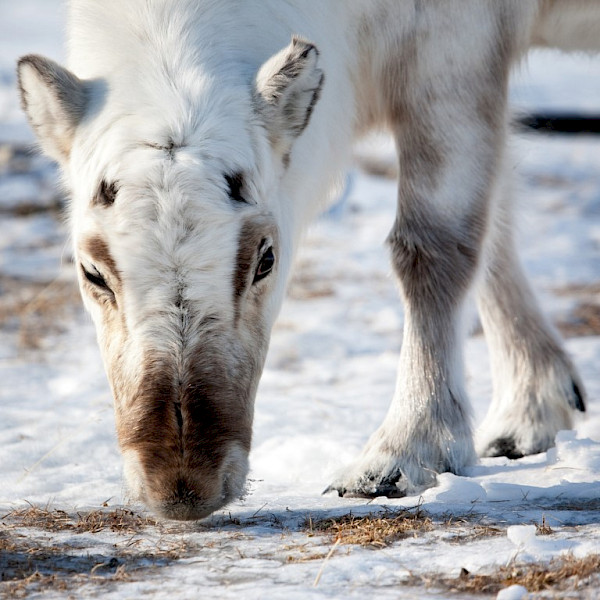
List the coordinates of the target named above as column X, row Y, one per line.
column 189, row 496
column 185, row 509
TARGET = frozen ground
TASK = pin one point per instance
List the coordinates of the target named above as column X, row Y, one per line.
column 328, row 381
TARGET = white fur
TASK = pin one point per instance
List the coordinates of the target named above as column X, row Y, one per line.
column 193, row 73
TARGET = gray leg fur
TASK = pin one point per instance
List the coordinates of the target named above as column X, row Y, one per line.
column 435, row 243
column 536, row 388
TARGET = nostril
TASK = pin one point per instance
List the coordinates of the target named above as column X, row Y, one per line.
column 184, row 493
column 183, row 503
column 181, row 485
column 179, row 419
column 178, row 415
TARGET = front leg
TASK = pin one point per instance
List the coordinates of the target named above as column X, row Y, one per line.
column 450, row 141
column 427, row 429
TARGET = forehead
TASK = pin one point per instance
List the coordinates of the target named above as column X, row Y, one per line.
column 210, row 124
column 164, row 166
column 166, row 192
column 172, row 223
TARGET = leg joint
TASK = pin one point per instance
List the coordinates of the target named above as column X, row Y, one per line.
column 432, row 259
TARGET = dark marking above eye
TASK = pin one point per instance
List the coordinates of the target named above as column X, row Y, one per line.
column 235, row 183
column 106, row 194
column 99, row 254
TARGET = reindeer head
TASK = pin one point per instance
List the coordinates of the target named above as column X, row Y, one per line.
column 182, row 249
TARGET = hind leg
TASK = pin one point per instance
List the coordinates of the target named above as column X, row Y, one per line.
column 536, row 388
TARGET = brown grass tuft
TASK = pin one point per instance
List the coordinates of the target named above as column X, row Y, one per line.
column 41, row 518
column 543, row 528
column 378, row 530
column 119, row 520
column 374, row 530
column 583, row 321
column 562, row 574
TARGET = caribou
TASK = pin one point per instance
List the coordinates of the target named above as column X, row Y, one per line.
column 198, row 138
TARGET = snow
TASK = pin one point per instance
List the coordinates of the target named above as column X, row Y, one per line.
column 514, row 592
column 329, row 378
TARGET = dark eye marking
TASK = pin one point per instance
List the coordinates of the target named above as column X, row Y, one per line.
column 106, row 194
column 96, row 279
column 235, row 183
column 265, row 264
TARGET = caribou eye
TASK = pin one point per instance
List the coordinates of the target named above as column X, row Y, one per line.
column 96, row 279
column 265, row 266
column 235, row 182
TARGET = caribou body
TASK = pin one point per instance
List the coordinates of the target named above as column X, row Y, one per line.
column 197, row 138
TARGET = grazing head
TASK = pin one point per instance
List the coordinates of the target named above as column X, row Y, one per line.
column 182, row 251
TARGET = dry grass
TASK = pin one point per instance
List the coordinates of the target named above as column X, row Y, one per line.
column 562, row 575
column 578, row 505
column 380, row 530
column 303, row 553
column 583, row 321
column 373, row 530
column 36, row 309
column 40, row 518
column 579, row 289
column 543, row 528
column 31, row 564
column 27, row 565
column 473, row 532
column 33, row 309
column 119, row 520
column 305, row 286
column 59, row 582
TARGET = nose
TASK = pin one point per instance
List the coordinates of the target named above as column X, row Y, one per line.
column 183, row 493
column 186, row 504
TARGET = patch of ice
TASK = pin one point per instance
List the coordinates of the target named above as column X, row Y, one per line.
column 514, row 592
column 520, row 535
column 532, row 547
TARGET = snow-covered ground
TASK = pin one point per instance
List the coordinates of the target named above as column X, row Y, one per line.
column 327, row 384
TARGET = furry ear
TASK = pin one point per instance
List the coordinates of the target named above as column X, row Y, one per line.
column 288, row 86
column 54, row 100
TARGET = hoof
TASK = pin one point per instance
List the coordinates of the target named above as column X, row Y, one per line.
column 371, row 485
column 504, row 446
column 576, row 400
